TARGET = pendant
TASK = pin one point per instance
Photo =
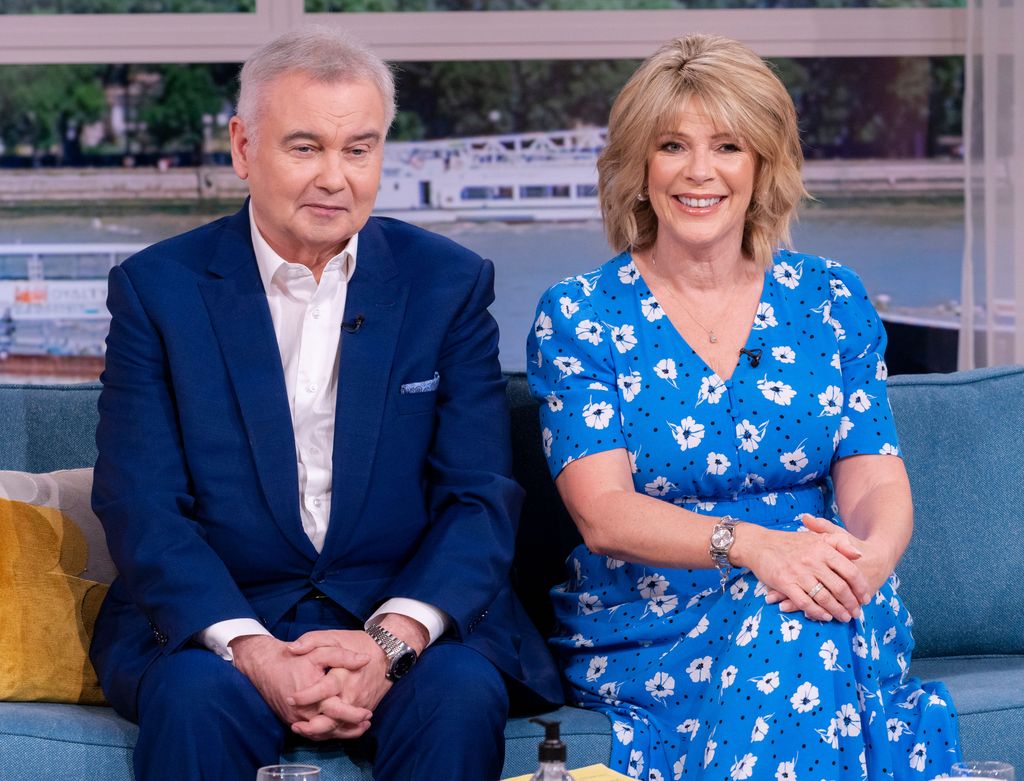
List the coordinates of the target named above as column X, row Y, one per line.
column 711, row 337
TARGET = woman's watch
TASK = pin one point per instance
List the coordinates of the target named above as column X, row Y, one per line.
column 722, row 538
column 401, row 656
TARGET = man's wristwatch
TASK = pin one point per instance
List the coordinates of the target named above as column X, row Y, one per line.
column 722, row 538
column 401, row 656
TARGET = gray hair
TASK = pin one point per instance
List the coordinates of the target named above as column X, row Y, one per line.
column 327, row 54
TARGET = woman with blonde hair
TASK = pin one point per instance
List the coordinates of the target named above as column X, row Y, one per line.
column 705, row 396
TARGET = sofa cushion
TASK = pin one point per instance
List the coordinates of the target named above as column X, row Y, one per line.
column 43, row 428
column 50, row 589
column 960, row 436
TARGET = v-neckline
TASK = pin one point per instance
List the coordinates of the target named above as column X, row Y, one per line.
column 765, row 290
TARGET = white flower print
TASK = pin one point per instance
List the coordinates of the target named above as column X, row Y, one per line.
column 546, row 438
column 739, row 589
column 768, row 682
column 743, row 767
column 629, row 385
column 839, row 288
column 611, row 563
column 848, row 721
column 889, row 636
column 651, row 309
column 568, row 307
column 659, row 486
column 660, row 605
column 666, row 369
column 845, row 424
column 711, row 389
column 700, row 628
column 717, row 463
column 542, row 328
column 689, row 727
column 831, row 400
column 662, row 685
column 749, row 435
column 765, row 317
column 700, row 669
column 709, row 749
column 829, row 656
column 860, row 646
column 677, row 768
column 567, row 365
column 636, row 764
column 786, row 275
column 633, row 456
column 760, row 731
column 623, row 337
column 790, row 628
column 652, row 585
column 628, row 274
column 609, row 692
column 895, row 729
column 554, row 403
column 776, row 390
column 589, row 331
column 598, row 386
column 589, row 603
column 830, row 736
column 786, row 771
column 881, row 371
column 770, row 499
column 889, row 449
column 805, row 698
column 837, row 362
column 598, row 666
column 580, row 641
column 752, row 480
column 795, row 460
column 597, row 415
column 748, row 630
column 623, row 731
column 588, row 285
column 918, row 757
column 729, row 676
column 860, row 401
column 688, row 433
column 934, row 699
column 655, row 775
column 784, row 354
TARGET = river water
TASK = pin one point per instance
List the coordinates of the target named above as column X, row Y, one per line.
column 909, row 249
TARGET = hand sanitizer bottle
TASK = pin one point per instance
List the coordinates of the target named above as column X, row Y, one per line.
column 550, row 754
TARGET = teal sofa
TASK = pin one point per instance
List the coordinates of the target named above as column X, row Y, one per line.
column 961, row 579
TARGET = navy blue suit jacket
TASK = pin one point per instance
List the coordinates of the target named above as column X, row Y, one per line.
column 196, row 480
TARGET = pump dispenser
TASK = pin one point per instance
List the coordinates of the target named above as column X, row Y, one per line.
column 550, row 754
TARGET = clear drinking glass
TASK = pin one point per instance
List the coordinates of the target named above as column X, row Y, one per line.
column 983, row 770
column 288, row 773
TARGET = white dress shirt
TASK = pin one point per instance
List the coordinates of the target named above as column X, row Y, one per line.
column 307, row 319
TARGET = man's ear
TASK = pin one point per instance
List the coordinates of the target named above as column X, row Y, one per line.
column 241, row 147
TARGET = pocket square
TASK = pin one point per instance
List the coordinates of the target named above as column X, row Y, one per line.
column 424, row 386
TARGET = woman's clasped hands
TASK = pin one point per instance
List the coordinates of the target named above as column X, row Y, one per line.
column 823, row 571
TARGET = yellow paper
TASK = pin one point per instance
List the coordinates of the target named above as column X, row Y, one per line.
column 588, row 773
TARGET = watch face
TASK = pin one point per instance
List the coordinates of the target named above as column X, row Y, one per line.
column 721, row 537
column 401, row 665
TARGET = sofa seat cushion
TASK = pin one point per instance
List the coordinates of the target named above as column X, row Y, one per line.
column 89, row 743
column 988, row 692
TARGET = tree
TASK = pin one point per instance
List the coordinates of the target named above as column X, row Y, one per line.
column 188, row 95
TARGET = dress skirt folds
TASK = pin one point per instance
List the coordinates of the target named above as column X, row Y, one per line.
column 701, row 683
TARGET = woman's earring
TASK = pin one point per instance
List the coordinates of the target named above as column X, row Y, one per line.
column 642, row 195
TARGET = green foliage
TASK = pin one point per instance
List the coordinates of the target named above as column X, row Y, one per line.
column 188, row 93
column 41, row 105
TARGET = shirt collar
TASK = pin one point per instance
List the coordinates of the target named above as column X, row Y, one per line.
column 270, row 263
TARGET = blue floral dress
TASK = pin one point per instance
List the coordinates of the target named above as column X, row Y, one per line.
column 701, row 683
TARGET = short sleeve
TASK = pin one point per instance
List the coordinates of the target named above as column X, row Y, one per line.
column 572, row 376
column 867, row 425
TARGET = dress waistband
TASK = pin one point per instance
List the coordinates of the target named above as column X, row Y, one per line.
column 766, row 508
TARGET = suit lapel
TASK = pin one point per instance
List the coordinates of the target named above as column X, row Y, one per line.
column 378, row 293
column 237, row 304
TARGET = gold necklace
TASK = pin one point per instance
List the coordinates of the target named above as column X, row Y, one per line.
column 712, row 336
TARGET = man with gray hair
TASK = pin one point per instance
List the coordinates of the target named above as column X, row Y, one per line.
column 304, row 463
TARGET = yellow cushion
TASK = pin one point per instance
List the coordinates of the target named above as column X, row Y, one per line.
column 47, row 611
